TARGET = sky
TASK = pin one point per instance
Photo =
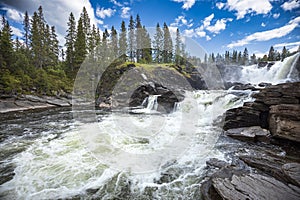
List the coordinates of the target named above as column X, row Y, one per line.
column 217, row 25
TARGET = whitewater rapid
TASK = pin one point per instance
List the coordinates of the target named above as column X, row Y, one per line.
column 61, row 167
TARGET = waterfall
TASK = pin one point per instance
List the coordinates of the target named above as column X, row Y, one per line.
column 280, row 72
column 177, row 106
column 152, row 102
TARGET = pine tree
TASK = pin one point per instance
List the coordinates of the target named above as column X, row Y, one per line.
column 26, row 24
column 70, row 43
column 80, row 45
column 158, row 44
column 284, row 53
column 234, row 57
column 168, row 46
column 205, row 58
column 123, row 40
column 131, row 39
column 245, row 57
column 177, row 48
column 271, row 56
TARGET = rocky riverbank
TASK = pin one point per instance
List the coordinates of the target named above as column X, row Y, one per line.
column 266, row 165
column 31, row 102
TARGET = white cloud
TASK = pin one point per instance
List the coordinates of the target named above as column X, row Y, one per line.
column 187, row 4
column 16, row 31
column 220, row 5
column 208, row 38
column 287, row 44
column 243, row 7
column 290, row 5
column 263, row 24
column 125, row 12
column 189, row 33
column 268, row 35
column 181, row 21
column 200, row 33
column 276, row 15
column 219, row 26
column 103, row 13
column 14, row 15
column 207, row 20
column 293, row 49
column 116, row 2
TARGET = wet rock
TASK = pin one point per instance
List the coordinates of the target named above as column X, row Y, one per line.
column 238, row 86
column 292, row 172
column 285, row 121
column 262, row 64
column 253, row 186
column 214, row 162
column 249, row 134
column 264, row 84
column 241, row 117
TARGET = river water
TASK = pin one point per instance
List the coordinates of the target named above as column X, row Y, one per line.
column 49, row 155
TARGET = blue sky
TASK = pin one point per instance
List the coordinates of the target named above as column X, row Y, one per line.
column 216, row 25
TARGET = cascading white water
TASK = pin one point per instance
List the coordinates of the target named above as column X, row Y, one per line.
column 64, row 167
column 278, row 73
column 55, row 167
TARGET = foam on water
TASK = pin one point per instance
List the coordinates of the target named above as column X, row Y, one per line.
column 64, row 167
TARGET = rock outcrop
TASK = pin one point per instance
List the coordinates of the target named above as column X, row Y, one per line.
column 276, row 107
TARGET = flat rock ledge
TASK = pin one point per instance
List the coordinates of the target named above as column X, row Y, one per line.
column 31, row 102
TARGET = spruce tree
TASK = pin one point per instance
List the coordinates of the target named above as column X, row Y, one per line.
column 70, row 43
column 284, row 53
column 79, row 45
column 245, row 57
column 168, row 46
column 146, row 53
column 114, row 42
column 36, row 39
column 54, row 46
column 26, row 24
column 123, row 40
column 6, row 46
column 138, row 37
column 158, row 44
column 271, row 56
column 131, row 39
column 177, row 48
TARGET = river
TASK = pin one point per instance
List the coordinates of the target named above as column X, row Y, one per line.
column 49, row 155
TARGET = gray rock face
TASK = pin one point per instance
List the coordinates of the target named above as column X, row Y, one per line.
column 249, row 134
column 284, row 121
column 277, row 107
column 292, row 172
column 254, row 186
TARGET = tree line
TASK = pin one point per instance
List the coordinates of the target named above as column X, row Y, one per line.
column 39, row 65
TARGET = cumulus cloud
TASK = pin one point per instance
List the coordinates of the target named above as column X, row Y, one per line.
column 103, row 13
column 218, row 26
column 263, row 24
column 182, row 21
column 268, row 35
column 116, row 2
column 243, row 7
column 290, row 5
column 125, row 12
column 56, row 12
column 13, row 14
column 187, row 4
